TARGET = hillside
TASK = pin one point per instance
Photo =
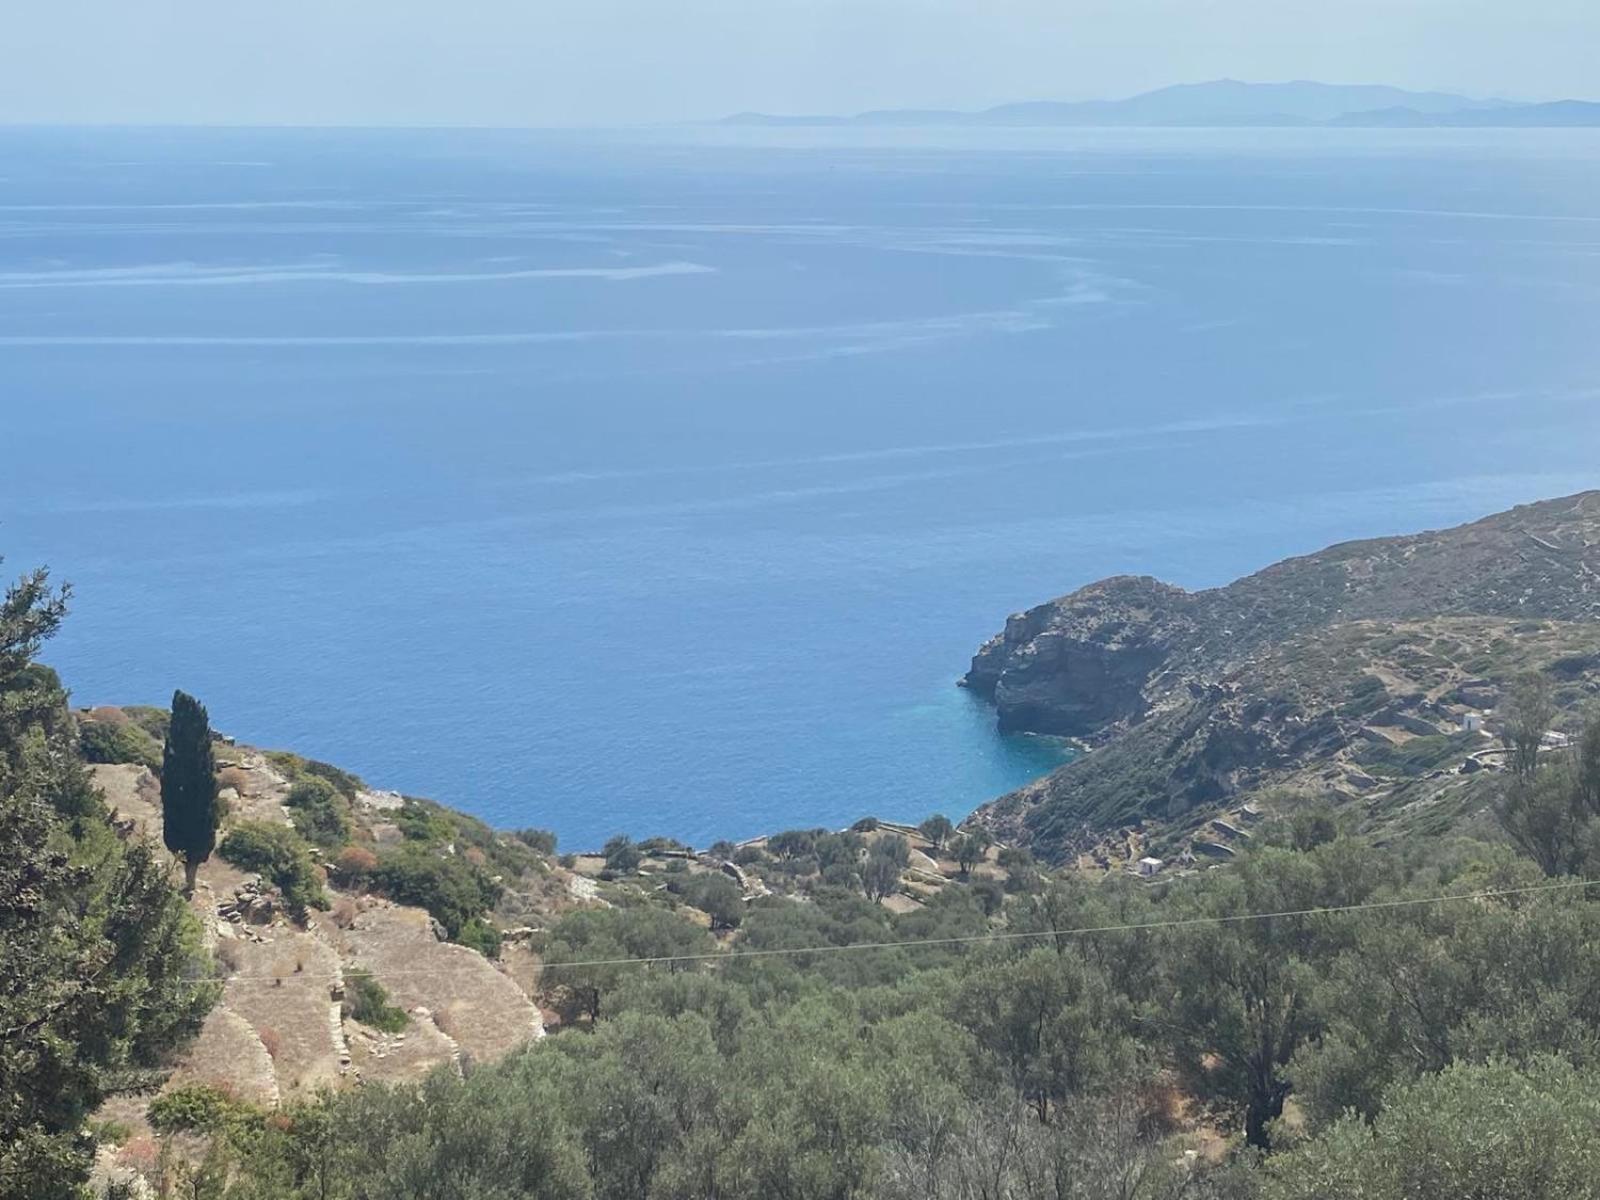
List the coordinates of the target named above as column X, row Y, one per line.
column 1191, row 701
column 287, row 1024
column 878, row 1013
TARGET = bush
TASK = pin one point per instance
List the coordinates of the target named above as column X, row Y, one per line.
column 794, row 843
column 622, row 855
column 423, row 822
column 154, row 721
column 319, row 812
column 714, row 894
column 117, row 740
column 1490, row 1130
column 341, row 781
column 366, row 1001
column 355, row 865
column 541, row 841
column 197, row 1108
column 452, row 890
column 477, row 934
column 279, row 854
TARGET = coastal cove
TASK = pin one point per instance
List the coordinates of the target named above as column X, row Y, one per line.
column 666, row 481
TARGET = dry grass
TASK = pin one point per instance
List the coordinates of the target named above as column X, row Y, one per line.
column 235, row 778
column 270, row 1039
column 230, row 954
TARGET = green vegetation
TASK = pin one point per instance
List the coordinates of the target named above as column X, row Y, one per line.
column 320, row 813
column 1359, row 1033
column 454, row 891
column 880, row 875
column 190, row 812
column 540, row 841
column 1494, row 1130
column 937, row 829
column 714, row 894
column 366, row 1001
column 281, row 857
column 102, row 975
column 298, row 769
column 622, row 855
column 113, row 738
column 1334, row 1012
column 1430, row 1049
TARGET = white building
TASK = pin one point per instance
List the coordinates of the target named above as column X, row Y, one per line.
column 1472, row 723
column 1149, row 866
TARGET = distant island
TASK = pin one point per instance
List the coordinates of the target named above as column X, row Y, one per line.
column 1229, row 102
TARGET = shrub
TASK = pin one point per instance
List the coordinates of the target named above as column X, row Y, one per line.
column 280, row 855
column 117, row 740
column 154, row 721
column 622, row 855
column 198, row 1108
column 230, row 954
column 794, row 843
column 477, row 934
column 452, row 890
column 937, row 829
column 344, row 912
column 342, row 781
column 423, row 822
column 656, row 845
column 714, row 894
column 541, row 841
column 110, row 1132
column 355, row 865
column 366, row 1001
column 319, row 812
column 840, row 849
column 235, row 778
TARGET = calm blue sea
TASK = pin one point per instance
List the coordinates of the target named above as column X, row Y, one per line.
column 665, row 481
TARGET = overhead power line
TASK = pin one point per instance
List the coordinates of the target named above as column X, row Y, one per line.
column 998, row 936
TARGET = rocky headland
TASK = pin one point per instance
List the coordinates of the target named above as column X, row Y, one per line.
column 1350, row 673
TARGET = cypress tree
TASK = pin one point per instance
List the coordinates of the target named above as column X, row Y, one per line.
column 189, row 787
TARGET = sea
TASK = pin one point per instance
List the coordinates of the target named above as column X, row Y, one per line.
column 663, row 481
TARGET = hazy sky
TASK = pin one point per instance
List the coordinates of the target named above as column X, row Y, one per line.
column 518, row 62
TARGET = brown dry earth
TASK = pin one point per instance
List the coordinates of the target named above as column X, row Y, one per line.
column 277, row 1033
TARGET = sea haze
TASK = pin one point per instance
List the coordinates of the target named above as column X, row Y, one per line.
column 664, row 482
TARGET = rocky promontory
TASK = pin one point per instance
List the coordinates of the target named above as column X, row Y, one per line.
column 1194, row 699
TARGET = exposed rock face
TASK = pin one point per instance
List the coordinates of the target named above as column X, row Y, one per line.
column 1076, row 666
column 1189, row 699
column 1104, row 656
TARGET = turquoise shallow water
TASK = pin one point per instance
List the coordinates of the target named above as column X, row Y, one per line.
column 665, row 481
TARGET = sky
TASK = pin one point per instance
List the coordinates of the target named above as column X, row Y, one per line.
column 597, row 62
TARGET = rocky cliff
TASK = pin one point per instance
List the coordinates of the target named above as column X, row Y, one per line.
column 1191, row 699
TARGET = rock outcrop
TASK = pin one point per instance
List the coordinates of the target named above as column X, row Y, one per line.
column 1077, row 666
column 1106, row 655
column 1188, row 699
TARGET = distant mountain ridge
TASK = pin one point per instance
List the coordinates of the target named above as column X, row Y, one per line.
column 1230, row 102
